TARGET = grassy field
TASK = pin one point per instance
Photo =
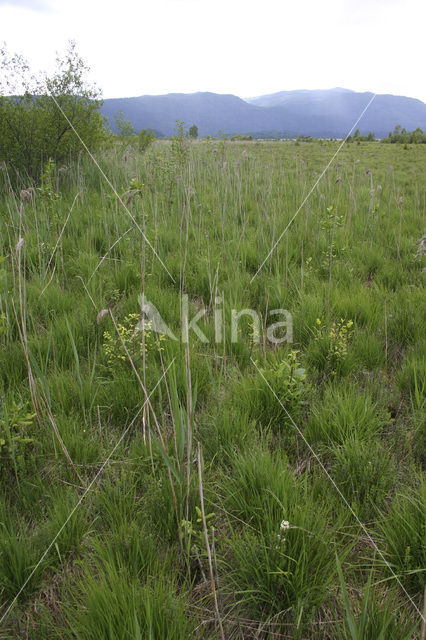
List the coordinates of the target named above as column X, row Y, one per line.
column 220, row 489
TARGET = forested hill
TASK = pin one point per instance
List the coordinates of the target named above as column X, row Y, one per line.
column 328, row 113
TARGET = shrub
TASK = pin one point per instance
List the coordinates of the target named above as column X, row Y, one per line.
column 33, row 127
column 145, row 137
column 334, row 341
column 280, row 383
column 129, row 333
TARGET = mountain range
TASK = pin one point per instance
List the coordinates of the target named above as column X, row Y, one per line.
column 321, row 113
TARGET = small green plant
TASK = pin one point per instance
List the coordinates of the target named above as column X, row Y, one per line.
column 194, row 531
column 145, row 138
column 332, row 253
column 359, row 626
column 308, row 266
column 336, row 339
column 130, row 333
column 179, row 147
column 135, row 190
column 136, row 184
column 113, row 297
column 124, row 127
column 287, row 378
column 376, row 620
column 274, row 394
column 47, row 190
column 261, row 489
column 254, row 334
column 329, row 223
column 15, row 424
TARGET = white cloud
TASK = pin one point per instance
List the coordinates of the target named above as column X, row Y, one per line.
column 35, row 5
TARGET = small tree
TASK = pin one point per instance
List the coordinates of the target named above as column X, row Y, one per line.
column 124, row 127
column 179, row 146
column 417, row 136
column 144, row 138
column 193, row 132
column 46, row 117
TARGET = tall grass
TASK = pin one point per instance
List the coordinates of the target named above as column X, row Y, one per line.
column 239, row 538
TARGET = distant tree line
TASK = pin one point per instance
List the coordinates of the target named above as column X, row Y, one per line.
column 241, row 137
column 399, row 135
column 402, row 136
column 357, row 137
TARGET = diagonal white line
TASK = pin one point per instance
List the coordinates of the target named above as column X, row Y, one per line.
column 108, row 181
column 315, row 186
column 80, row 500
column 363, row 527
column 104, row 257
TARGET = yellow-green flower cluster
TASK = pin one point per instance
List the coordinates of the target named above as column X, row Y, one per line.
column 338, row 336
column 130, row 335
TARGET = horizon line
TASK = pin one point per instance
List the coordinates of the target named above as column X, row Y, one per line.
column 261, row 95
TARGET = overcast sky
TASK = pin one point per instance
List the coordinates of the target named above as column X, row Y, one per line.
column 245, row 47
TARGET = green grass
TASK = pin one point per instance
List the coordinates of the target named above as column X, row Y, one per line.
column 136, row 558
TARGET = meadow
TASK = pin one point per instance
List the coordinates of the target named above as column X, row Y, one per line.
column 230, row 489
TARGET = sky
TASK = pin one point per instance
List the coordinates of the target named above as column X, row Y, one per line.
column 244, row 47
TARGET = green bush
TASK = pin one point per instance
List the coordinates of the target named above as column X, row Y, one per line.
column 34, row 126
column 274, row 392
